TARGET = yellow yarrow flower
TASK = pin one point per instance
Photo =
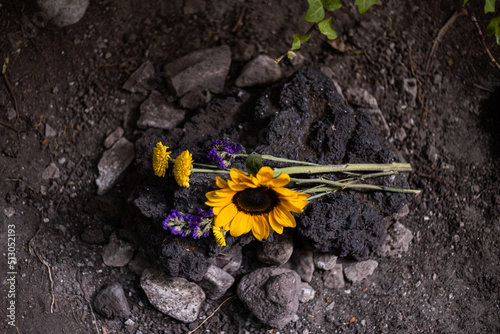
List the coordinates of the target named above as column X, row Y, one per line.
column 255, row 203
column 219, row 236
column 160, row 159
column 182, row 168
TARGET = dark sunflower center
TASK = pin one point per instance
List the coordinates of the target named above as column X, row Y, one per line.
column 256, row 201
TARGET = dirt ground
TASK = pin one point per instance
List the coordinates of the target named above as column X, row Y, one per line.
column 70, row 79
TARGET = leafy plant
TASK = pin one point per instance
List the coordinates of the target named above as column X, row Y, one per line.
column 493, row 27
column 316, row 14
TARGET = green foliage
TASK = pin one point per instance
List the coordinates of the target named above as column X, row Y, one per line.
column 325, row 27
column 493, row 28
column 489, row 6
column 298, row 39
column 253, row 163
column 331, row 5
column 364, row 5
column 316, row 11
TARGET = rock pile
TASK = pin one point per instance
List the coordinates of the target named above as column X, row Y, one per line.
column 302, row 118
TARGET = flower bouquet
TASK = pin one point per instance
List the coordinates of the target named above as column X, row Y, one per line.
column 259, row 198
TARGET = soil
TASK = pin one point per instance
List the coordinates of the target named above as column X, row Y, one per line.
column 70, row 79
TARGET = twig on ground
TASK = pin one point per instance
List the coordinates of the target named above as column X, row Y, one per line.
column 194, row 330
column 67, row 182
column 4, row 72
column 21, row 180
column 88, row 301
column 444, row 29
column 481, row 37
column 32, row 250
column 240, row 18
column 483, row 88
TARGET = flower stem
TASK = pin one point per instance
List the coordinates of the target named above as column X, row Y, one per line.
column 392, row 167
column 273, row 158
column 202, row 170
column 342, row 185
column 204, row 165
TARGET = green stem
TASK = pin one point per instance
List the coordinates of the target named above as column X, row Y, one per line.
column 321, row 195
column 273, row 158
column 343, row 185
column 201, row 170
column 393, row 167
column 204, row 165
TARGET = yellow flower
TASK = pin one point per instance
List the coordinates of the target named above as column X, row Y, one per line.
column 219, row 236
column 182, row 168
column 257, row 203
column 160, row 159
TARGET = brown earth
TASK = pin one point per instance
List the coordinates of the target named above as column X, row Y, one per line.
column 70, row 78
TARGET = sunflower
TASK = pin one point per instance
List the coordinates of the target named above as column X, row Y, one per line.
column 257, row 203
column 182, row 168
column 160, row 159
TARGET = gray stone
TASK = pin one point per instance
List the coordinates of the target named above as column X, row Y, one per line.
column 361, row 98
column 306, row 292
column 334, row 278
column 378, row 118
column 111, row 302
column 194, row 6
column 63, row 12
column 199, row 71
column 277, row 252
column 142, row 80
column 51, row 172
column 139, row 264
column 117, row 253
column 49, row 131
column 325, row 261
column 173, row 296
column 11, row 113
column 113, row 137
column 271, row 294
column 156, row 112
column 216, row 282
column 410, row 87
column 193, row 100
column 397, row 241
column 302, row 262
column 230, row 259
column 114, row 162
column 259, row 72
column 329, row 73
column 361, row 270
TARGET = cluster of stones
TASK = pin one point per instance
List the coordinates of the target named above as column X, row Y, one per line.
column 188, row 79
column 272, row 293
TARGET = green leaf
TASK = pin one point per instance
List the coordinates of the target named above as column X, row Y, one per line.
column 489, row 6
column 331, row 5
column 297, row 39
column 290, row 54
column 316, row 12
column 493, row 28
column 253, row 163
column 465, row 2
column 364, row 5
column 325, row 27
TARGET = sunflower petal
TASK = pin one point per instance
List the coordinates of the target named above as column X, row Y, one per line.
column 283, row 217
column 265, row 175
column 241, row 224
column 224, row 217
column 220, row 182
column 280, row 181
column 285, row 192
column 260, row 227
column 290, row 206
column 274, row 224
column 237, row 186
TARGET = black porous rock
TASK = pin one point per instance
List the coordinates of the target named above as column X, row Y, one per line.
column 308, row 120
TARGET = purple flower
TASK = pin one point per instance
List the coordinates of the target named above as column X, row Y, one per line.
column 184, row 225
column 222, row 152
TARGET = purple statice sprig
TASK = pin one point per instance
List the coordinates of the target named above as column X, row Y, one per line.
column 184, row 225
column 222, row 152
